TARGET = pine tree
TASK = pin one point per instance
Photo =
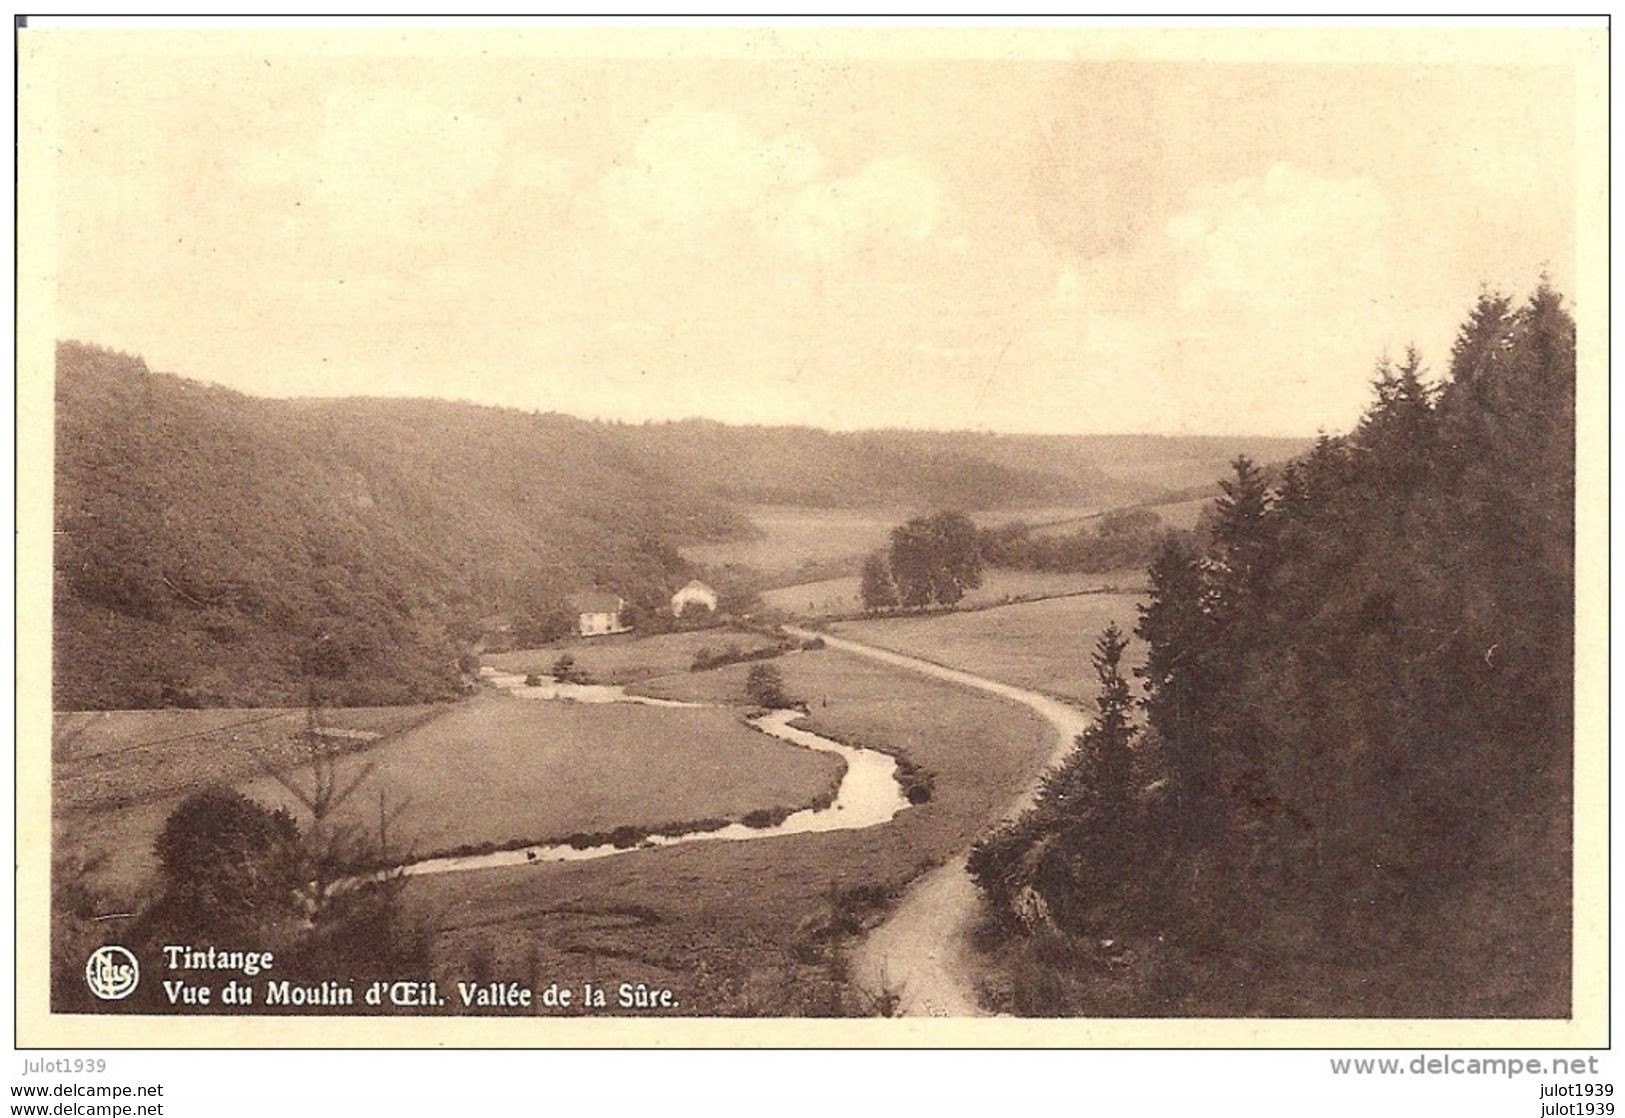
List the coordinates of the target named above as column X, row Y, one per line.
column 1362, row 690
column 1397, row 440
column 1174, row 624
column 1241, row 539
column 1109, row 742
column 1486, row 334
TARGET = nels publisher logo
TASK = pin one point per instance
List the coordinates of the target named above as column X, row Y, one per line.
column 111, row 973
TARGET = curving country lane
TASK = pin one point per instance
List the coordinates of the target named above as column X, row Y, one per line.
column 921, row 951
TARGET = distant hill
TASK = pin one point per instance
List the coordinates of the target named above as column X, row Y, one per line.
column 945, row 469
column 213, row 548
column 826, row 469
column 1117, row 469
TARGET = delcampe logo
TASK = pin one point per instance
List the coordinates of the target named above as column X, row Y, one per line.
column 112, row 972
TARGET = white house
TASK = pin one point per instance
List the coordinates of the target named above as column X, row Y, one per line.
column 696, row 593
column 598, row 612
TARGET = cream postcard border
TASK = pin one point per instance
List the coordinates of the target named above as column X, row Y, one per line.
column 44, row 55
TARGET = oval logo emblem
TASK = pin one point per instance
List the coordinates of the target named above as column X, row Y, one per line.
column 112, row 972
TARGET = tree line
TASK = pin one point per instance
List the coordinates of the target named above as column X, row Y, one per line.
column 935, row 560
column 1345, row 784
column 1126, row 537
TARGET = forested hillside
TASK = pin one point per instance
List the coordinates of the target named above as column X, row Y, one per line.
column 1347, row 787
column 208, row 543
column 826, row 469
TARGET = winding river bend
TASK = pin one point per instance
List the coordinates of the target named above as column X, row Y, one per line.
column 869, row 793
column 921, row 951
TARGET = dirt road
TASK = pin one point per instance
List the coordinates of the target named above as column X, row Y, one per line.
column 921, row 951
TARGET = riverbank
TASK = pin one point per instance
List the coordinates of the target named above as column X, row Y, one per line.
column 495, row 771
column 748, row 928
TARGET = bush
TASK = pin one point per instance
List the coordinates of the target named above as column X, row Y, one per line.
column 917, row 783
column 705, row 659
column 765, row 817
column 764, row 686
column 565, row 671
column 227, row 861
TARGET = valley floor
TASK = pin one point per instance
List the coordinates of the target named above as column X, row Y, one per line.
column 758, row 927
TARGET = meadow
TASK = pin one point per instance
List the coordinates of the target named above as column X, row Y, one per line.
column 1182, row 514
column 115, row 758
column 501, row 770
column 791, row 539
column 837, row 596
column 752, row 927
column 627, row 658
column 732, row 927
column 1043, row 645
column 1174, row 514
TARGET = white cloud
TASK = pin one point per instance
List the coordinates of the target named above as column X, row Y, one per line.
column 887, row 200
column 692, row 167
column 1284, row 239
column 1249, row 278
column 693, row 171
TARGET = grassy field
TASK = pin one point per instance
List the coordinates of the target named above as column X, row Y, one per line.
column 800, row 539
column 792, row 538
column 1043, row 645
column 1044, row 514
column 740, row 928
column 1178, row 514
column 834, row 596
column 626, row 658
column 1182, row 514
column 113, row 758
column 498, row 769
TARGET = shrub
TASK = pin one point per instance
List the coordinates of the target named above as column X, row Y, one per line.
column 917, row 783
column 226, row 860
column 764, row 686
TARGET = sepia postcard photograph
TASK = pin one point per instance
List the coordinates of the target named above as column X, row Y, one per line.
column 782, row 534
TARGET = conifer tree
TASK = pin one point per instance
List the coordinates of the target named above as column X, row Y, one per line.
column 1173, row 625
column 1109, row 742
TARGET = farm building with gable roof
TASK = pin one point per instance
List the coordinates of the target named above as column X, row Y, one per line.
column 598, row 613
column 696, row 593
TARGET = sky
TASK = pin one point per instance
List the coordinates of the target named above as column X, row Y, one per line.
column 1012, row 245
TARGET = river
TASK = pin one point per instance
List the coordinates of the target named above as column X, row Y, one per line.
column 869, row 793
